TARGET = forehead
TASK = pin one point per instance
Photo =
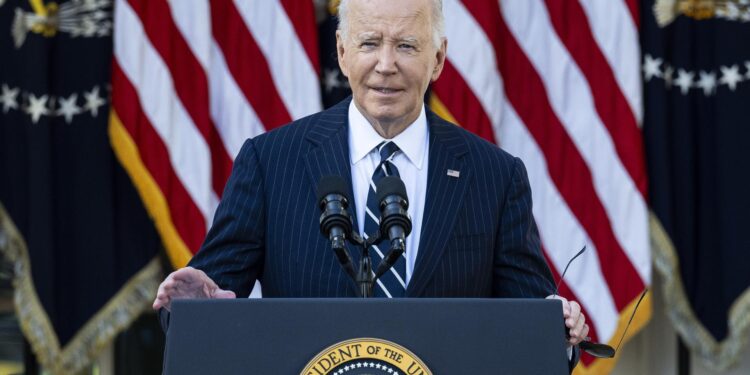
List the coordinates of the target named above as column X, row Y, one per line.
column 391, row 17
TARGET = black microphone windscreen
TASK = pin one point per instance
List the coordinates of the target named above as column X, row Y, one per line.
column 391, row 185
column 332, row 185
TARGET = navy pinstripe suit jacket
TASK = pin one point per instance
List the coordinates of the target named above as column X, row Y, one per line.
column 478, row 239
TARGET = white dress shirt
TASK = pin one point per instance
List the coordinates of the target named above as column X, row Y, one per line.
column 412, row 167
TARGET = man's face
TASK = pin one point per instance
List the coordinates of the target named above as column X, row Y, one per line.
column 389, row 58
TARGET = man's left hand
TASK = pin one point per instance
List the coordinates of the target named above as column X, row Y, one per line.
column 575, row 321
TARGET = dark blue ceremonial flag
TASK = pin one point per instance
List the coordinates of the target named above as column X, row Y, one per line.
column 696, row 67
column 88, row 238
column 334, row 87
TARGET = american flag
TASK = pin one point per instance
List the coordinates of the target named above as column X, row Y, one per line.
column 554, row 82
column 557, row 83
column 191, row 80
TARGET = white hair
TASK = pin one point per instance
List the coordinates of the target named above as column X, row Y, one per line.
column 438, row 21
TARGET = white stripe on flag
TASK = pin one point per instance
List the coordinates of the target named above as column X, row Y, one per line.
column 571, row 99
column 561, row 233
column 188, row 152
column 234, row 118
column 193, row 19
column 293, row 73
column 473, row 56
column 617, row 37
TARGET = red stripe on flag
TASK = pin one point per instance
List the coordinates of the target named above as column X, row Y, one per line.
column 634, row 9
column 463, row 104
column 189, row 79
column 302, row 15
column 610, row 102
column 566, row 166
column 187, row 218
column 247, row 64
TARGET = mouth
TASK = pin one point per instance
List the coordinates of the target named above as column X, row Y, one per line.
column 385, row 90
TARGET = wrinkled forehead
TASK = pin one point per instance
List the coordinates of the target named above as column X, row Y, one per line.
column 390, row 19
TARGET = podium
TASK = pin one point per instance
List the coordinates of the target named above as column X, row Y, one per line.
column 366, row 336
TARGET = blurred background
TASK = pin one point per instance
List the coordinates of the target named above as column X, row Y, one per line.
column 120, row 119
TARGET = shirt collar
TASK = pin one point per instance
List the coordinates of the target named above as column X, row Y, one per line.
column 363, row 137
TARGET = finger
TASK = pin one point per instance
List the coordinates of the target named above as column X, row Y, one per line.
column 162, row 300
column 221, row 293
column 165, row 302
column 187, row 275
column 159, row 302
column 575, row 313
column 172, row 288
column 578, row 335
column 577, row 330
column 580, row 331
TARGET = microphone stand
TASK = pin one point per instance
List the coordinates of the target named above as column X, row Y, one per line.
column 365, row 277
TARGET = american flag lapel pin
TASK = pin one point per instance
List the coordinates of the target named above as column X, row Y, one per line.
column 452, row 173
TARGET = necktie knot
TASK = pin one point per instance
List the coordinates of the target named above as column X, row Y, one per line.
column 387, row 149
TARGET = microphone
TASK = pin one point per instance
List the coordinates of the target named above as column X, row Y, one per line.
column 595, row 349
column 335, row 221
column 395, row 223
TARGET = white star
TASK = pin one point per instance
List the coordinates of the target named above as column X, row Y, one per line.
column 37, row 107
column 707, row 82
column 331, row 79
column 68, row 107
column 651, row 67
column 8, row 99
column 377, row 366
column 93, row 101
column 668, row 75
column 89, row 26
column 684, row 80
column 730, row 76
column 99, row 15
column 346, row 367
column 359, row 364
column 732, row 12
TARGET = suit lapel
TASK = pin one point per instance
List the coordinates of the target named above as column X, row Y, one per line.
column 444, row 196
column 329, row 151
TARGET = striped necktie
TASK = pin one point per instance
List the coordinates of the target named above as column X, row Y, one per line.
column 392, row 283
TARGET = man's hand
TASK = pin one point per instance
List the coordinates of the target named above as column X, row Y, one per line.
column 574, row 320
column 188, row 282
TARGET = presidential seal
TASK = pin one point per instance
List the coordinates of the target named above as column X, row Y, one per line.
column 366, row 356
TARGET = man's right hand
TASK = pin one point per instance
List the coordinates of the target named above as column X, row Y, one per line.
column 188, row 282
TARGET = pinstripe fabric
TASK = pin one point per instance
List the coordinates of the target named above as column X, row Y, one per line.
column 478, row 234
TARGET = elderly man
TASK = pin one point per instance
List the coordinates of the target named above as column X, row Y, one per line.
column 473, row 231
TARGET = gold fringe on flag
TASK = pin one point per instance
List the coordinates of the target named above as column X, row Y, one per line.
column 134, row 298
column 717, row 356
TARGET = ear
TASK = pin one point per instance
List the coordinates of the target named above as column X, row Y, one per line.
column 340, row 52
column 439, row 60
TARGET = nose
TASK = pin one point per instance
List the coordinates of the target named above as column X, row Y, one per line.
column 386, row 61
